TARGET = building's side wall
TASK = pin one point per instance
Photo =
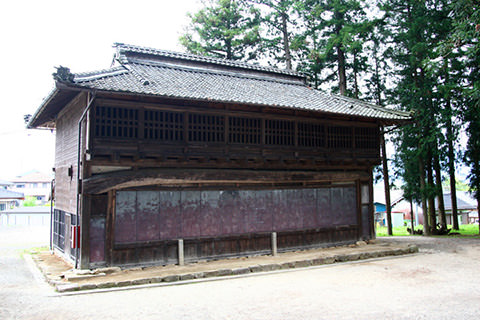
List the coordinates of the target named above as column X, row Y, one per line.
column 216, row 223
column 142, row 223
column 66, row 151
column 143, row 226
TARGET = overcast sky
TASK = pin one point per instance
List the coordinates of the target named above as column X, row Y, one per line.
column 39, row 35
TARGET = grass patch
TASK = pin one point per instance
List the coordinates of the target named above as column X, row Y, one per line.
column 34, row 250
column 465, row 230
column 397, row 231
column 468, row 229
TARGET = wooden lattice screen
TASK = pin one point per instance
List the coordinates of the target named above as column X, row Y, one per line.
column 366, row 138
column 163, row 125
column 206, row 128
column 169, row 126
column 245, row 130
column 340, row 137
column 311, row 135
column 113, row 122
column 279, row 132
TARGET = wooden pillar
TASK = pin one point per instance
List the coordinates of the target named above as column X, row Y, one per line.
column 110, row 228
column 84, row 223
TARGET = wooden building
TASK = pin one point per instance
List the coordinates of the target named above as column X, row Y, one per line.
column 167, row 152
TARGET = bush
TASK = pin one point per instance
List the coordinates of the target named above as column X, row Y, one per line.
column 30, row 202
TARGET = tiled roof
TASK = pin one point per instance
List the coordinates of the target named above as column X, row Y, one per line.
column 123, row 49
column 146, row 71
column 7, row 194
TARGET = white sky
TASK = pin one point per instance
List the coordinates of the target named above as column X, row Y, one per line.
column 40, row 35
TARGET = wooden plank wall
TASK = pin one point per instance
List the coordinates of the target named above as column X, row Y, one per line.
column 228, row 223
column 66, row 149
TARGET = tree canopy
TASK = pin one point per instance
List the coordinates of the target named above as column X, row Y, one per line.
column 417, row 56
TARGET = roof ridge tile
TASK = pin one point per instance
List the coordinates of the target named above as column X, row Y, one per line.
column 123, row 48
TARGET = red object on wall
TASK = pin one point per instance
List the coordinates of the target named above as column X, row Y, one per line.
column 75, row 237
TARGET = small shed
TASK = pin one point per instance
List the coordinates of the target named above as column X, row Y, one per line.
column 168, row 157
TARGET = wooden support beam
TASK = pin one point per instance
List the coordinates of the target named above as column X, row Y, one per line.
column 187, row 177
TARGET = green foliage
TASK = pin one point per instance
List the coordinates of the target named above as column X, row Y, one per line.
column 464, row 230
column 224, row 29
column 332, row 44
column 279, row 22
column 460, row 55
column 460, row 185
column 30, row 202
column 419, row 56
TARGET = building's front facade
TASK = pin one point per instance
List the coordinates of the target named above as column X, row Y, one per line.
column 178, row 154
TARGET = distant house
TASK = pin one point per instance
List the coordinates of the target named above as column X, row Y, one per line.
column 466, row 207
column 168, row 155
column 8, row 199
column 400, row 208
column 33, row 184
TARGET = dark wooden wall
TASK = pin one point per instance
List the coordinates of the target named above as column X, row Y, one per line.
column 137, row 134
column 161, row 215
column 140, row 223
column 222, row 223
column 66, row 150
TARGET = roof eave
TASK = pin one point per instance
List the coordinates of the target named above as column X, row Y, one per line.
column 381, row 121
column 55, row 100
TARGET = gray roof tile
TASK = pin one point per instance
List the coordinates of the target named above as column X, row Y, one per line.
column 123, row 49
column 148, row 71
column 188, row 83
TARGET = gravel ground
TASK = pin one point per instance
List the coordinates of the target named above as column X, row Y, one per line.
column 441, row 282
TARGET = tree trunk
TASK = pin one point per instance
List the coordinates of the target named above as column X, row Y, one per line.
column 426, row 228
column 431, row 195
column 286, row 44
column 478, row 211
column 342, row 78
column 411, row 217
column 378, row 91
column 355, row 75
column 386, row 184
column 439, row 192
column 228, row 49
column 451, row 166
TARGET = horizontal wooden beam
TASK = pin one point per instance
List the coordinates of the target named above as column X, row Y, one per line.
column 187, row 177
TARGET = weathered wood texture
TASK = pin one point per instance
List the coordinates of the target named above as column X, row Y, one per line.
column 223, row 223
column 157, row 134
column 97, row 226
column 174, row 177
column 66, row 144
column 166, row 251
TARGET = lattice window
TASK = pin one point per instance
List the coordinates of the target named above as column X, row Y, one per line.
column 163, row 125
column 245, row 130
column 206, row 128
column 279, row 132
column 311, row 135
column 59, row 229
column 366, row 138
column 113, row 122
column 340, row 137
